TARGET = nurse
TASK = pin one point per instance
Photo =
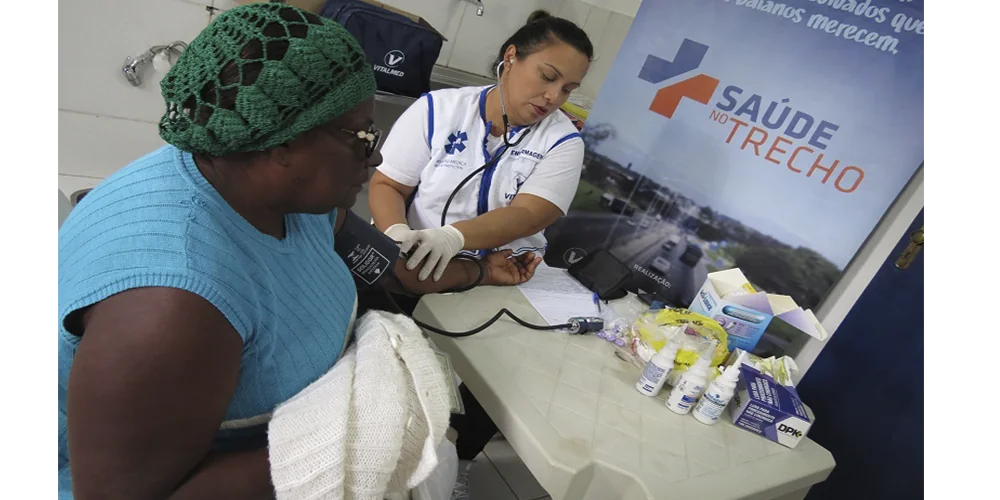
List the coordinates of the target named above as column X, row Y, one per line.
column 480, row 169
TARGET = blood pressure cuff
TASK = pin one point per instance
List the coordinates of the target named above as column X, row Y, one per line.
column 368, row 253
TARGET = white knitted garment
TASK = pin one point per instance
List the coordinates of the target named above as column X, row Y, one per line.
column 368, row 428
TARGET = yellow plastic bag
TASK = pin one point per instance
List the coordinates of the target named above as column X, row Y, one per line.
column 652, row 328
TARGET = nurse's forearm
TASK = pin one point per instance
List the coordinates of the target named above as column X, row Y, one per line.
column 501, row 226
column 387, row 205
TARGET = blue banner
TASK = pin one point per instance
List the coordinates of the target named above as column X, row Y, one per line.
column 769, row 136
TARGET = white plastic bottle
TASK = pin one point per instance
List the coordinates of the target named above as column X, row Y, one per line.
column 685, row 394
column 719, row 393
column 657, row 369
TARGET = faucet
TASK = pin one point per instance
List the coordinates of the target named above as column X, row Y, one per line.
column 132, row 65
column 479, row 3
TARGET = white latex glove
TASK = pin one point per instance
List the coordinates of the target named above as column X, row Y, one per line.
column 402, row 234
column 438, row 245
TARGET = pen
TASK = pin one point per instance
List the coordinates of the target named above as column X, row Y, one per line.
column 597, row 300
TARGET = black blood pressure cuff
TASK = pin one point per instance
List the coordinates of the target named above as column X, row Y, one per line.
column 368, row 253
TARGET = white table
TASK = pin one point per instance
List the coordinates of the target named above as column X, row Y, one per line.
column 569, row 408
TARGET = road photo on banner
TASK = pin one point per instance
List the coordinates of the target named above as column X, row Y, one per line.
column 766, row 136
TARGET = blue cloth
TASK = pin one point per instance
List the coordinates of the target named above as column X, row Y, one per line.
column 159, row 223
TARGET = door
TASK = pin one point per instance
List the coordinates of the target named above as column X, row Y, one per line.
column 867, row 385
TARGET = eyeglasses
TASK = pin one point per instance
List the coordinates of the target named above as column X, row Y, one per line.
column 372, row 137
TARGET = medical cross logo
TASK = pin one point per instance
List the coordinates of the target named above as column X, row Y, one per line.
column 519, row 180
column 697, row 88
column 771, row 129
column 456, row 143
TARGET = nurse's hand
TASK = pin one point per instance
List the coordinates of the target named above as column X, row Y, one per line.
column 504, row 270
column 403, row 236
column 438, row 245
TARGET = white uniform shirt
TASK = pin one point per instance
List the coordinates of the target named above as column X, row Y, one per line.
column 443, row 137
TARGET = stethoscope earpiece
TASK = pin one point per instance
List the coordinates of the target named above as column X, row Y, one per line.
column 503, row 109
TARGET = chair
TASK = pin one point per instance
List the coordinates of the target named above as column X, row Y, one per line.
column 64, row 207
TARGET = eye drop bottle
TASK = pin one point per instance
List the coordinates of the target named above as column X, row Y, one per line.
column 657, row 369
column 719, row 393
column 685, row 394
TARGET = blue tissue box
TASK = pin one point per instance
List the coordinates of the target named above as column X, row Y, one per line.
column 767, row 408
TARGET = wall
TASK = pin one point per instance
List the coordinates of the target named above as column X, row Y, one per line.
column 104, row 122
column 473, row 41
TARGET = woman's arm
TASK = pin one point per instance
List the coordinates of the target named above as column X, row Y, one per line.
column 544, row 197
column 150, row 384
column 459, row 274
column 243, row 475
column 499, row 269
column 387, row 201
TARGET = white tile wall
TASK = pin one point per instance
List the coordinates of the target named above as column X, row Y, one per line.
column 96, row 36
column 626, row 7
column 96, row 146
column 597, row 21
column 473, row 41
column 70, row 184
column 104, row 122
column 605, row 50
column 578, row 12
column 479, row 38
column 222, row 4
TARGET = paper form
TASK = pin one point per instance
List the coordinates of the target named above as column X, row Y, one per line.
column 557, row 296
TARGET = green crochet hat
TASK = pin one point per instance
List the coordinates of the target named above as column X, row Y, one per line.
column 259, row 76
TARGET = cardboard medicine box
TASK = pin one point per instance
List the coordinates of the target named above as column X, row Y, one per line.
column 769, row 409
column 728, row 298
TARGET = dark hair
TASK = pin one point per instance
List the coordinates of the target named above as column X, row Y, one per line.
column 541, row 30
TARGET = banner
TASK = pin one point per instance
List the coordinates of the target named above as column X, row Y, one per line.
column 769, row 136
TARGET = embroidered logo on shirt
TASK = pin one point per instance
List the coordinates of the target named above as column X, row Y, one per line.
column 525, row 152
column 456, row 143
column 518, row 181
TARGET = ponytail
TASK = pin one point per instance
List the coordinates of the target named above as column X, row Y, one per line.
column 541, row 30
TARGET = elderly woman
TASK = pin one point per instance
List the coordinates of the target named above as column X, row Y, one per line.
column 198, row 286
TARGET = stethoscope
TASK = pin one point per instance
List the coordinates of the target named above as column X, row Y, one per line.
column 492, row 161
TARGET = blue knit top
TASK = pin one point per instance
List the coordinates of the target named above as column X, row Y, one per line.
column 159, row 223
